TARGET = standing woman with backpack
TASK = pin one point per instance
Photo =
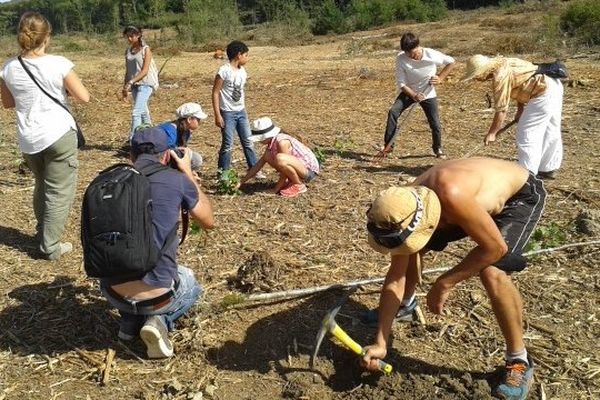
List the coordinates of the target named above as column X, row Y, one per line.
column 46, row 131
column 141, row 77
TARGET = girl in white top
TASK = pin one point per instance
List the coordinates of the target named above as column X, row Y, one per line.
column 45, row 131
column 141, row 77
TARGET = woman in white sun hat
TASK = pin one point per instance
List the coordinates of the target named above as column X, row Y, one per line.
column 295, row 162
column 539, row 107
column 180, row 130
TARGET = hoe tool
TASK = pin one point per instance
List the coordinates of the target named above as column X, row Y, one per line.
column 329, row 325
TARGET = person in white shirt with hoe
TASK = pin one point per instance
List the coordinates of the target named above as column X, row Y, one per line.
column 416, row 77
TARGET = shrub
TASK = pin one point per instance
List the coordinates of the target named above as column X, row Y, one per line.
column 420, row 10
column 582, row 20
column 330, row 19
column 368, row 13
column 206, row 20
column 291, row 25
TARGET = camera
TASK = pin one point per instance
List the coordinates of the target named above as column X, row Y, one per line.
column 180, row 153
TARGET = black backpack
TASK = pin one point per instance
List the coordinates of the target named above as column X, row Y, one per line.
column 116, row 224
column 556, row 70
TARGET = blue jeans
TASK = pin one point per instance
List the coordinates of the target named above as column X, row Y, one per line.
column 235, row 121
column 185, row 296
column 140, row 114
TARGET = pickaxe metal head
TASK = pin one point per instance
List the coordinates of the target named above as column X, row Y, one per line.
column 329, row 323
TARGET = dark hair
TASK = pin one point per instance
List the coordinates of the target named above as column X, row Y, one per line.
column 131, row 29
column 409, row 41
column 180, row 132
column 234, row 48
column 143, row 148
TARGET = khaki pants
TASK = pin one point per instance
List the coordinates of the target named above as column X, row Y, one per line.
column 55, row 171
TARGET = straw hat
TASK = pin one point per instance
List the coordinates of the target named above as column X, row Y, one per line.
column 413, row 211
column 262, row 129
column 477, row 66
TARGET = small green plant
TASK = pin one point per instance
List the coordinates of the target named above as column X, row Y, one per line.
column 195, row 228
column 319, row 154
column 342, row 145
column 231, row 300
column 228, row 182
column 546, row 237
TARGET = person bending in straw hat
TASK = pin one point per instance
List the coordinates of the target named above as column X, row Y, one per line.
column 416, row 77
column 295, row 162
column 497, row 204
column 539, row 107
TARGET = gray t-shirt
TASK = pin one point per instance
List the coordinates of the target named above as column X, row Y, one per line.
column 134, row 62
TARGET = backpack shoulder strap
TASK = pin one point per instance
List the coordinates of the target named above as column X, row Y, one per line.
column 185, row 217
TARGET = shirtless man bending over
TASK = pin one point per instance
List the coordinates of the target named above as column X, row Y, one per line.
column 497, row 204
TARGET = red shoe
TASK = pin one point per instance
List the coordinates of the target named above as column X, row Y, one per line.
column 293, row 190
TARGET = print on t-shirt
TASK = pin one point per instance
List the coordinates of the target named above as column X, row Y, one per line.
column 236, row 94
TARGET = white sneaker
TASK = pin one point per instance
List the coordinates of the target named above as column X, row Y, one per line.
column 155, row 335
column 260, row 175
column 63, row 248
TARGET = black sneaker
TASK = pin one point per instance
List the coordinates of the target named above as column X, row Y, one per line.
column 404, row 314
column 547, row 174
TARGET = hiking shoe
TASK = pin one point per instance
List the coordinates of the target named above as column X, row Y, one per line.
column 293, row 190
column 63, row 248
column 155, row 335
column 517, row 380
column 546, row 174
column 404, row 314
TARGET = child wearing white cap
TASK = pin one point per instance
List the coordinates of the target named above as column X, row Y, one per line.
column 295, row 162
column 180, row 130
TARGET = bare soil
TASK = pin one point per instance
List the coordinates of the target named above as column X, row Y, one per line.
column 56, row 329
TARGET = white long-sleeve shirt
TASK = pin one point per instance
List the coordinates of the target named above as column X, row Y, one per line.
column 416, row 73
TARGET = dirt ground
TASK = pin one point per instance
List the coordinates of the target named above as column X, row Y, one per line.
column 56, row 329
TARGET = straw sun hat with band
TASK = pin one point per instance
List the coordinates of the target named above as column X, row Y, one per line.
column 479, row 66
column 401, row 220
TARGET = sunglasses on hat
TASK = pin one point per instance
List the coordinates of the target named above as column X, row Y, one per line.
column 392, row 238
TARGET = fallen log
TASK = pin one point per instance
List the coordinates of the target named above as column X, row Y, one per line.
column 296, row 293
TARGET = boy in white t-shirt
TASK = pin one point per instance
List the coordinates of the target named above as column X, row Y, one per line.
column 229, row 106
column 416, row 77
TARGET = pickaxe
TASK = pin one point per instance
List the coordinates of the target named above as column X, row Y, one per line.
column 329, row 325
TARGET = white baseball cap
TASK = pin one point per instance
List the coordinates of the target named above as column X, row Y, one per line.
column 190, row 110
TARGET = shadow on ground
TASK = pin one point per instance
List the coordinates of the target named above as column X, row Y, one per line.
column 20, row 241
column 272, row 342
column 56, row 317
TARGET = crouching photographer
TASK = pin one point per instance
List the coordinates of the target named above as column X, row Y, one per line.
column 151, row 302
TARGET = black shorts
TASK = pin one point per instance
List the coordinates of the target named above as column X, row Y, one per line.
column 516, row 223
